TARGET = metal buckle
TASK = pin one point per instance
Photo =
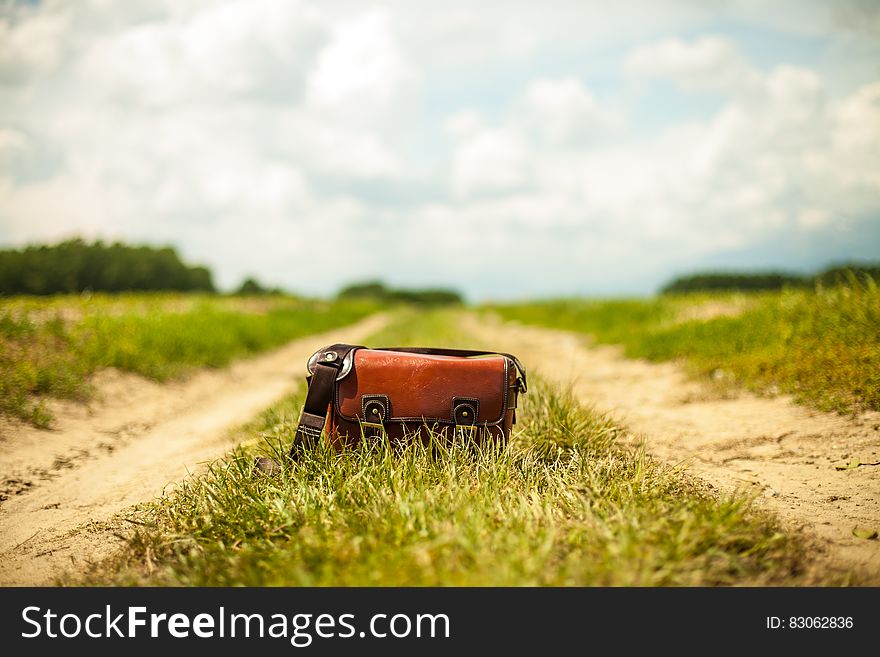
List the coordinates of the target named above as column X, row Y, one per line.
column 344, row 370
column 372, row 430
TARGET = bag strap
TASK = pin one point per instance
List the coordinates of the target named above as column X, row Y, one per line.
column 327, row 366
column 320, row 394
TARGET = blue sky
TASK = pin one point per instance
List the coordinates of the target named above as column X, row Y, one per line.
column 510, row 149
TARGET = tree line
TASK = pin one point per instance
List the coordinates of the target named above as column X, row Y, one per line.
column 378, row 291
column 773, row 280
column 76, row 266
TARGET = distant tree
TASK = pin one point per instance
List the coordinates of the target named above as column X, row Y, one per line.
column 420, row 297
column 199, row 278
column 251, row 286
column 733, row 281
column 369, row 289
column 843, row 274
column 75, row 265
column 428, row 297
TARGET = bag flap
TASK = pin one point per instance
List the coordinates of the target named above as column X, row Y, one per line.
column 420, row 387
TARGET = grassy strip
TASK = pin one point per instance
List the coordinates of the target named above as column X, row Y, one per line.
column 821, row 346
column 563, row 504
column 54, row 354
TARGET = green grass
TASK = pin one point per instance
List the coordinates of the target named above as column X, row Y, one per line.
column 562, row 504
column 50, row 348
column 822, row 346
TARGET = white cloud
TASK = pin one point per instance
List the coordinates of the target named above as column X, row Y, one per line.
column 362, row 63
column 812, row 218
column 31, row 48
column 563, row 111
column 855, row 139
column 502, row 138
column 464, row 124
column 780, row 156
column 231, row 50
column 494, row 160
column 551, row 114
column 707, row 63
column 338, row 150
column 13, row 144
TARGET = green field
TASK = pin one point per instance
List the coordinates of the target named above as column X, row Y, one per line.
column 822, row 346
column 50, row 347
column 563, row 504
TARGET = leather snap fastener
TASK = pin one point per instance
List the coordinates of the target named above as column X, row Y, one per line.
column 465, row 410
column 375, row 409
column 330, row 356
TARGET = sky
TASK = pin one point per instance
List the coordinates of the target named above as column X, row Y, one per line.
column 509, row 149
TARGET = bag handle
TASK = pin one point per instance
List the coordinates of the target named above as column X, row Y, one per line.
column 327, row 366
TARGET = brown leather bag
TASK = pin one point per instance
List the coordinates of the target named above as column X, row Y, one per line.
column 358, row 393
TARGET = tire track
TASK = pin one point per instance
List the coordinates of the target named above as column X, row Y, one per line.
column 785, row 455
column 62, row 487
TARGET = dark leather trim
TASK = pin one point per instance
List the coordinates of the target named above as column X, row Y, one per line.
column 322, row 386
column 370, row 403
column 465, row 410
column 515, row 389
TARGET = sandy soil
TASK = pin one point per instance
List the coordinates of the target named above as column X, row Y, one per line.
column 783, row 453
column 712, row 309
column 60, row 489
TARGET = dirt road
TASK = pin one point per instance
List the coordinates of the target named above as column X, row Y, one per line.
column 60, row 487
column 784, row 453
